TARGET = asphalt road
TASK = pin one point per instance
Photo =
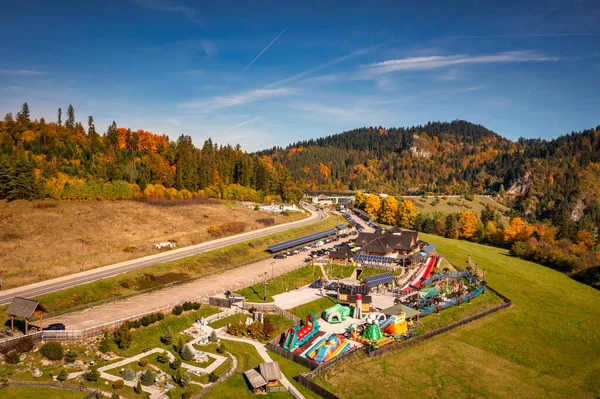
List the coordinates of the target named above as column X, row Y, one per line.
column 72, row 280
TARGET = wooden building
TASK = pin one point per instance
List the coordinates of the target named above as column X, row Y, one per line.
column 26, row 309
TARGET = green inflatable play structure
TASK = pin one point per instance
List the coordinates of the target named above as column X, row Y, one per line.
column 336, row 314
column 372, row 332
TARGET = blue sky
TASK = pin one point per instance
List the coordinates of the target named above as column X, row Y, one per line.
column 265, row 73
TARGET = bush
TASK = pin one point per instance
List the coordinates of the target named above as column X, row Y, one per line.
column 128, row 375
column 143, row 362
column 24, row 345
column 62, row 376
column 184, row 381
column 118, row 384
column 92, row 375
column 213, row 336
column 70, row 356
column 148, row 378
column 52, row 351
column 187, row 395
column 167, row 338
column 12, row 357
column 177, row 310
column 186, row 306
column 138, row 388
column 175, row 364
column 179, row 345
column 135, row 324
column 123, row 336
column 115, row 396
column 160, row 316
column 104, row 346
column 186, row 353
column 162, row 357
column 212, row 377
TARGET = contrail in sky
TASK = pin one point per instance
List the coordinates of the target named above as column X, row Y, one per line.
column 265, row 49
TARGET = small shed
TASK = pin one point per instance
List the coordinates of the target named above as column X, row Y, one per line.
column 270, row 372
column 400, row 308
column 26, row 309
column 256, row 381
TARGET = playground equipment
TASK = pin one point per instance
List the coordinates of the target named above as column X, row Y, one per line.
column 372, row 331
column 336, row 314
column 297, row 336
column 328, row 348
column 395, row 325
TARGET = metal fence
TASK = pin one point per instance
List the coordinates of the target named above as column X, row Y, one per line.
column 269, row 307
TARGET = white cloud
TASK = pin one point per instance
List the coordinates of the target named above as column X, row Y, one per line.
column 246, row 122
column 174, row 121
column 237, row 99
column 300, row 75
column 209, row 48
column 439, row 61
column 166, row 5
column 322, row 109
column 22, row 72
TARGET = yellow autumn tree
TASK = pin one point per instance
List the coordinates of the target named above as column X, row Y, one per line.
column 407, row 214
column 389, row 211
column 360, row 199
column 517, row 230
column 373, row 205
column 468, row 225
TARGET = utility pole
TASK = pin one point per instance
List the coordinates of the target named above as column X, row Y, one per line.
column 82, row 252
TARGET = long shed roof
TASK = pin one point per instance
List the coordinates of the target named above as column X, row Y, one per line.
column 270, row 371
column 255, row 379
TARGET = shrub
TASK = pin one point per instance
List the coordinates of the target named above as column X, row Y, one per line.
column 160, row 316
column 184, row 381
column 212, row 377
column 128, row 375
column 167, row 338
column 52, row 351
column 187, row 306
column 186, row 353
column 187, row 395
column 12, row 357
column 115, row 396
column 143, row 362
column 162, row 357
column 252, row 310
column 179, row 345
column 92, row 375
column 214, row 230
column 177, row 310
column 70, row 356
column 135, row 324
column 104, row 346
column 138, row 388
column 118, row 384
column 148, row 378
column 269, row 328
column 123, row 336
column 175, row 364
column 62, row 376
column 24, row 345
column 213, row 336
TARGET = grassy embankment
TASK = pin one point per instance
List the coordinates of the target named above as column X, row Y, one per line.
column 547, row 345
column 458, row 204
column 40, row 240
column 156, row 275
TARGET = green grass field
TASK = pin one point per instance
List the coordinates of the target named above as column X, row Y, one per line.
column 546, row 346
column 151, row 276
column 454, row 204
column 291, row 370
column 316, row 306
column 234, row 318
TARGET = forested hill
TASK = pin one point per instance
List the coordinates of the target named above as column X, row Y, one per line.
column 69, row 161
column 540, row 178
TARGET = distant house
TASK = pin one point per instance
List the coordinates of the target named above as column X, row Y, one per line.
column 343, row 253
column 268, row 374
column 323, row 200
column 341, row 228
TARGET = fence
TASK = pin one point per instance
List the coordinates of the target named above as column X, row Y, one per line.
column 220, row 302
column 75, row 335
column 306, row 362
column 67, row 387
column 269, row 307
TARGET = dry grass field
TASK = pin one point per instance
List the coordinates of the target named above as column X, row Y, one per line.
column 42, row 240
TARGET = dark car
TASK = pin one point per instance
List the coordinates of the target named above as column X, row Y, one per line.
column 281, row 256
column 55, row 327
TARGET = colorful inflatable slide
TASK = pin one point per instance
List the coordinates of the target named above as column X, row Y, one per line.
column 328, row 347
column 297, row 336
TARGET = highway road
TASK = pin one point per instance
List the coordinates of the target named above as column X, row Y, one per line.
column 72, row 280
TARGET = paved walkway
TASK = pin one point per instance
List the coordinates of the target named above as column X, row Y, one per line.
column 262, row 351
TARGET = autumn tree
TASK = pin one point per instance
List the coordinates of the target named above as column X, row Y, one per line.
column 360, row 199
column 468, row 225
column 517, row 230
column 407, row 214
column 389, row 211
column 373, row 205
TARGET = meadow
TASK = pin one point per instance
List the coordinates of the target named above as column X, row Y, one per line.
column 458, row 205
column 547, row 345
column 40, row 240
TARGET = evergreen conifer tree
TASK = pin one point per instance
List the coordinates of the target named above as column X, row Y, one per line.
column 6, row 176
column 23, row 185
column 59, row 117
column 24, row 117
column 70, row 123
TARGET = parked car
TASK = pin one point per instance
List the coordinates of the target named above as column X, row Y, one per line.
column 55, row 327
column 295, row 252
column 281, row 256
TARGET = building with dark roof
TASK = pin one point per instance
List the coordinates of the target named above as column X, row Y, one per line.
column 26, row 309
column 270, row 372
column 343, row 253
column 387, row 244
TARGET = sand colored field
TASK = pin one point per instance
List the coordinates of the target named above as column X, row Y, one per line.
column 38, row 243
